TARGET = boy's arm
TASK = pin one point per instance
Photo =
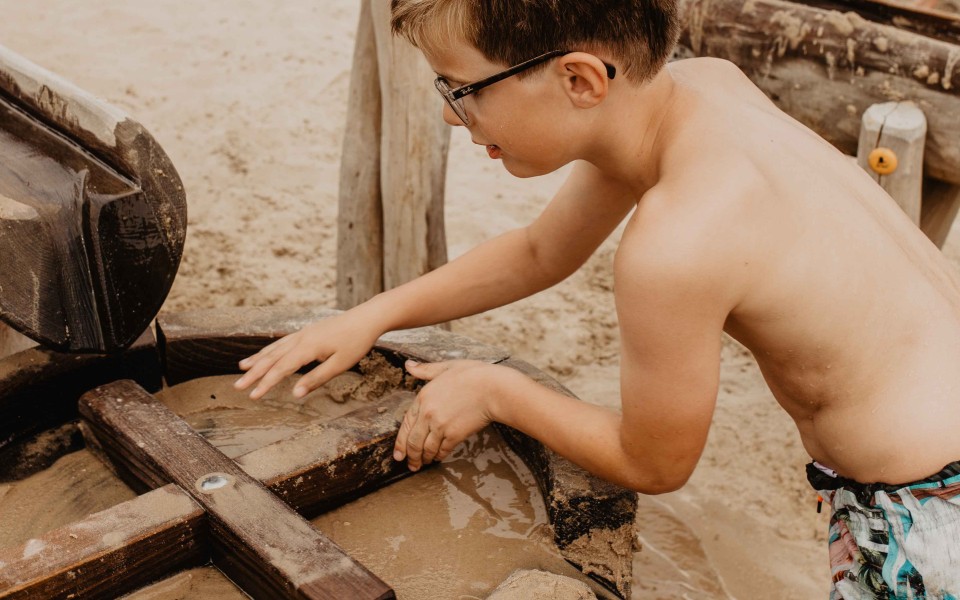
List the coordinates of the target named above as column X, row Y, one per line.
column 672, row 300
column 512, row 266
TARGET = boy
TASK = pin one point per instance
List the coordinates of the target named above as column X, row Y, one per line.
column 743, row 221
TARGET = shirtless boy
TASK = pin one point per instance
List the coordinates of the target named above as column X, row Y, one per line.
column 742, row 221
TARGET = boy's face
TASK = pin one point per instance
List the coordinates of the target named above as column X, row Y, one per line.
column 516, row 119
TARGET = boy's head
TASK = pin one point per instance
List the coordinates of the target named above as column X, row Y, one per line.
column 637, row 36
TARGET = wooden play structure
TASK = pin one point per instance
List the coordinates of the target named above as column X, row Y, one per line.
column 877, row 80
column 245, row 515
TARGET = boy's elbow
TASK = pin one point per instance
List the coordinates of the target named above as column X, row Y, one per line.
column 653, row 486
column 658, row 479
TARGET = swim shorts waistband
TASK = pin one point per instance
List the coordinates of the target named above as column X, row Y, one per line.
column 820, row 479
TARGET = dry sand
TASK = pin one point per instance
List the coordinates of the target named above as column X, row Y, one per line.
column 248, row 99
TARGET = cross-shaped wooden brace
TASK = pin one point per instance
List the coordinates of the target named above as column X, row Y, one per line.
column 181, row 524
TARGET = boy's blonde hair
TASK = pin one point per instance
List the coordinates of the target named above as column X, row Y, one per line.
column 636, row 36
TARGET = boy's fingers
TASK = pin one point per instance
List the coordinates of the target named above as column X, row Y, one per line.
column 431, row 446
column 320, row 375
column 400, row 446
column 256, row 371
column 280, row 369
column 427, row 371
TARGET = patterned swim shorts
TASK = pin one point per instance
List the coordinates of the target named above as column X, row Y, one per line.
column 893, row 542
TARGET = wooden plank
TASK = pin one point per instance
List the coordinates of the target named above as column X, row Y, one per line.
column 110, row 552
column 593, row 520
column 895, row 131
column 941, row 202
column 39, row 389
column 360, row 214
column 327, row 465
column 825, row 67
column 315, row 470
column 413, row 154
column 257, row 540
column 211, row 342
column 95, row 296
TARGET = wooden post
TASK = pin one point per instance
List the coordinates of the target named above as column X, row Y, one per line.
column 360, row 214
column 891, row 151
column 412, row 156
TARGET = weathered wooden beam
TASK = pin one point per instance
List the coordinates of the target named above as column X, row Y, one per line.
column 110, row 552
column 327, row 465
column 825, row 66
column 257, row 540
column 593, row 520
column 360, row 213
column 314, row 470
column 39, row 389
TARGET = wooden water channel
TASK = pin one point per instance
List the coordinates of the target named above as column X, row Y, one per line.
column 245, row 516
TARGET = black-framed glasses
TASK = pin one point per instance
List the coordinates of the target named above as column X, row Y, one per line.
column 455, row 96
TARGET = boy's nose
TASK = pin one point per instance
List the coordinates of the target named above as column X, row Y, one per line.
column 451, row 117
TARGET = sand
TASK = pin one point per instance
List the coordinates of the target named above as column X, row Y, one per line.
column 248, row 99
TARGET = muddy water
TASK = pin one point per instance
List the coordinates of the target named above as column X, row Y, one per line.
column 454, row 531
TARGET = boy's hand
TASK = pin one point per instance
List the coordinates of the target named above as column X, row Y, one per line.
column 338, row 343
column 456, row 403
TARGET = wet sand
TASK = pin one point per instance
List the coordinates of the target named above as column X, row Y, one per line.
column 456, row 530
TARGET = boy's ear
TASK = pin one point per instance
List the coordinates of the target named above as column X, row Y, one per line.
column 584, row 78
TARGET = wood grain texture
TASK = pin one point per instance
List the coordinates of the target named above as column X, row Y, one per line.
column 257, row 540
column 901, row 128
column 825, row 65
column 110, row 552
column 93, row 295
column 360, row 213
column 413, row 151
column 149, row 537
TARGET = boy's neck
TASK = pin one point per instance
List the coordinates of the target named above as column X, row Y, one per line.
column 626, row 142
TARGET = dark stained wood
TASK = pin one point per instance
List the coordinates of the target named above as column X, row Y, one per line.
column 327, row 465
column 315, row 470
column 92, row 216
column 826, row 66
column 111, row 552
column 257, row 540
column 582, row 508
column 39, row 389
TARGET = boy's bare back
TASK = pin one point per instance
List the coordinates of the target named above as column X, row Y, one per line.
column 851, row 313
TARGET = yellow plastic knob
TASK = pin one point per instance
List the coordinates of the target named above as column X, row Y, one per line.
column 883, row 161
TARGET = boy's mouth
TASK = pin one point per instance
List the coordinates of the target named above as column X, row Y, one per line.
column 493, row 151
